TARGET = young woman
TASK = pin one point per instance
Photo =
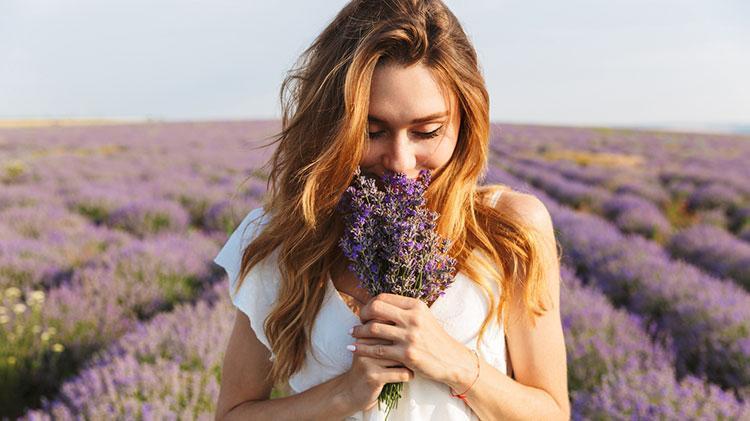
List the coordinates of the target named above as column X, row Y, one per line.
column 391, row 85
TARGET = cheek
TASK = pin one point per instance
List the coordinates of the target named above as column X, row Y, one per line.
column 369, row 157
column 442, row 153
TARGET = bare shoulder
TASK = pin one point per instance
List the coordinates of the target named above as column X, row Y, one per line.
column 531, row 210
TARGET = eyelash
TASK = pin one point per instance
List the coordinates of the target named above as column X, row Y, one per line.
column 423, row 135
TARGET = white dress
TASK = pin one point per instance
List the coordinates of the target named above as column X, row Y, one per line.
column 460, row 311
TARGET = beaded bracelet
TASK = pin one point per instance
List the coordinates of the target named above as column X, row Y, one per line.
column 462, row 396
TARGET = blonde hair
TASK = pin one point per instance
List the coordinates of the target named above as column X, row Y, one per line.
column 325, row 101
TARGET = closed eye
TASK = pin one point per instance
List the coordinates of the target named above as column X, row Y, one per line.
column 424, row 135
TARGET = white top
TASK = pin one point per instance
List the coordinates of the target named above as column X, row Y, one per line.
column 460, row 311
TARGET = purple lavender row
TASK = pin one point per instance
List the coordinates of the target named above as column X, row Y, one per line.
column 42, row 245
column 714, row 204
column 745, row 234
column 616, row 372
column 708, row 318
column 180, row 205
column 43, row 242
column 646, row 184
column 166, row 368
column 618, row 180
column 635, row 394
column 708, row 173
column 718, row 204
column 714, row 250
column 629, row 212
column 601, row 339
column 575, row 194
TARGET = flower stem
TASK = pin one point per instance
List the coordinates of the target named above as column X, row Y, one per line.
column 389, row 395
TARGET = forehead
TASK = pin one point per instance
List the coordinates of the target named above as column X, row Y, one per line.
column 400, row 94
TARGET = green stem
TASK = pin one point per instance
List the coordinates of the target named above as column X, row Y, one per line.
column 389, row 395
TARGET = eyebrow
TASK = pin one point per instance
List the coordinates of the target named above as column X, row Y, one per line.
column 430, row 117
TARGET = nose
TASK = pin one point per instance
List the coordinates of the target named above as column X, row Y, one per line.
column 400, row 156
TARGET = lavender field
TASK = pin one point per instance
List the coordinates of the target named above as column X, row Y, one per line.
column 111, row 306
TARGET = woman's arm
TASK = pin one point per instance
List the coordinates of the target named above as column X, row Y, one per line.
column 245, row 393
column 540, row 390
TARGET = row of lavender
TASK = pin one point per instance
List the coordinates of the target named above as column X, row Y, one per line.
column 704, row 200
column 98, row 237
column 684, row 203
column 712, row 248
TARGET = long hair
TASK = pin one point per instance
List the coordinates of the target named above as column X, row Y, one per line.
column 325, row 102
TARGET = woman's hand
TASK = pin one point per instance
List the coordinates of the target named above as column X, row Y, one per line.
column 367, row 375
column 417, row 339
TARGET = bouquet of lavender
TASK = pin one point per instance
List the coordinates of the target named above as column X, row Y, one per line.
column 392, row 246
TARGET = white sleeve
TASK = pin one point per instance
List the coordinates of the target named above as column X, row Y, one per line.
column 259, row 290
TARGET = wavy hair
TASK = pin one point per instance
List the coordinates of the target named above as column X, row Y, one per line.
column 325, row 102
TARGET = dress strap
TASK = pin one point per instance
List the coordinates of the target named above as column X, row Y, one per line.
column 495, row 197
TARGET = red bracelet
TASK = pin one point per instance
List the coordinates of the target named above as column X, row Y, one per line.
column 462, row 396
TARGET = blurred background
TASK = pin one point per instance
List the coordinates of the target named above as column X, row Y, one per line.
column 615, row 63
column 128, row 135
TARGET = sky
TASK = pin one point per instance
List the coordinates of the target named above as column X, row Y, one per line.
column 613, row 62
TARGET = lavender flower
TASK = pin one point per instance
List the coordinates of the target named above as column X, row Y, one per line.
column 390, row 238
column 391, row 243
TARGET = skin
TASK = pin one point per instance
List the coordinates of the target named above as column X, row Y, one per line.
column 408, row 331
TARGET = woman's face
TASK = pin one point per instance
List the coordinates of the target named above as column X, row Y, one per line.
column 409, row 129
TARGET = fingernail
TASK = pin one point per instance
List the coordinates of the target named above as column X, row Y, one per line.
column 351, row 330
column 351, row 347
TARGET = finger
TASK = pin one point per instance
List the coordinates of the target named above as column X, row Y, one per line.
column 396, row 375
column 371, row 341
column 400, row 301
column 385, row 322
column 374, row 329
column 382, row 311
column 377, row 351
column 382, row 362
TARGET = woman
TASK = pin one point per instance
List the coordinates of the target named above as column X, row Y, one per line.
column 391, row 85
